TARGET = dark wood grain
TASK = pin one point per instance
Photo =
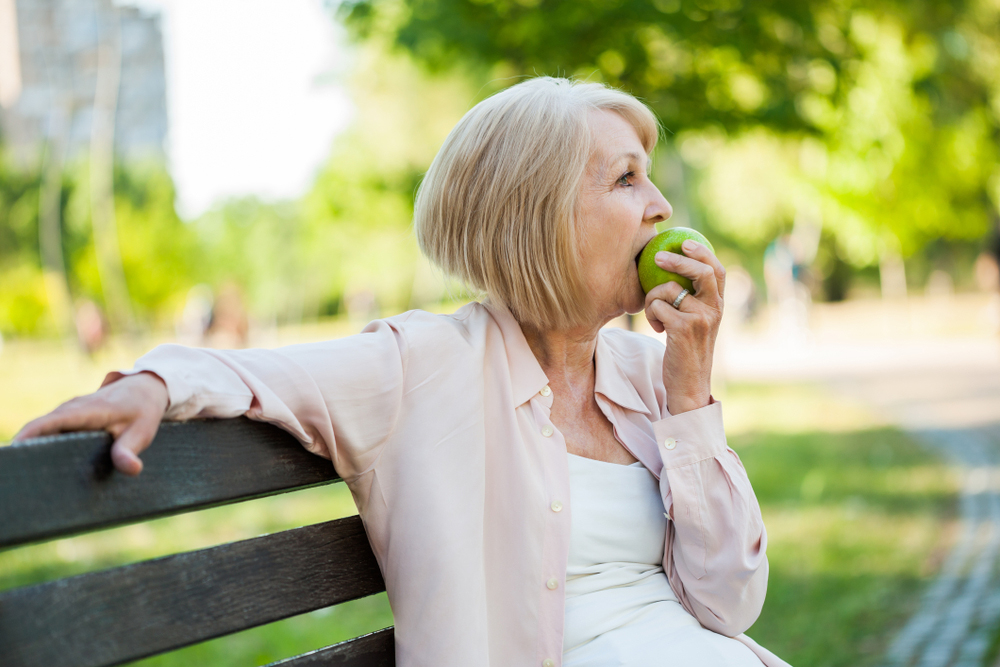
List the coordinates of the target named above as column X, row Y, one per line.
column 375, row 650
column 60, row 485
column 131, row 612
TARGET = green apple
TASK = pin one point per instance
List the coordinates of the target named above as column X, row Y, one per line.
column 651, row 275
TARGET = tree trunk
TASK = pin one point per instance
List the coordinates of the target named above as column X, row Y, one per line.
column 102, row 196
column 892, row 274
column 50, row 226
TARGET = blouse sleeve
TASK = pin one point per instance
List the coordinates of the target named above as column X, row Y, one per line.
column 715, row 549
column 339, row 398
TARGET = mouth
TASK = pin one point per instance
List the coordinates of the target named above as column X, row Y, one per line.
column 641, row 248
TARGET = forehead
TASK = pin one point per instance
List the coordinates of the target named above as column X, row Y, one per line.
column 613, row 140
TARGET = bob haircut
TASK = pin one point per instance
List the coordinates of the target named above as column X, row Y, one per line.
column 497, row 207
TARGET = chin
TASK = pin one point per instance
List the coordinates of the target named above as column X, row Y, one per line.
column 637, row 302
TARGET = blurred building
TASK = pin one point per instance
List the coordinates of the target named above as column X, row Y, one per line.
column 60, row 58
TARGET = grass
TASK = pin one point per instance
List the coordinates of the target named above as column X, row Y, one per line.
column 859, row 517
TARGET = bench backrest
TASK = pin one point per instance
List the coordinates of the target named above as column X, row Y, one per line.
column 63, row 485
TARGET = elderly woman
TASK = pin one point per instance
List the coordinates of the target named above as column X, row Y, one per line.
column 538, row 490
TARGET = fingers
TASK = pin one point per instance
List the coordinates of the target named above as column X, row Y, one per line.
column 699, row 265
column 659, row 310
column 700, row 252
column 130, row 443
column 701, row 274
column 77, row 414
column 661, row 314
column 129, row 409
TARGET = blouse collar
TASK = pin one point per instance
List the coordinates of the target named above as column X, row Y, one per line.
column 528, row 378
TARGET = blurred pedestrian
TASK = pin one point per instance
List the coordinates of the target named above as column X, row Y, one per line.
column 229, row 326
column 192, row 325
column 91, row 327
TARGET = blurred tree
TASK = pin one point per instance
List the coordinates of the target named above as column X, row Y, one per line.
column 259, row 246
column 877, row 120
column 697, row 62
column 22, row 299
column 359, row 210
column 347, row 245
column 160, row 255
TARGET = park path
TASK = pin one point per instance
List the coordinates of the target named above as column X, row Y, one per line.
column 956, row 412
column 946, row 392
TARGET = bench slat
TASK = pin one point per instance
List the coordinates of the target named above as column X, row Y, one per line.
column 131, row 612
column 377, row 649
column 61, row 485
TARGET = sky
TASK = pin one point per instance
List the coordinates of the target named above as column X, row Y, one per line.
column 253, row 94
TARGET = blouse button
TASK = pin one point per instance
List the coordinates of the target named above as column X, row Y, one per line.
column 545, row 391
column 552, row 584
column 669, row 443
column 547, row 431
column 548, row 662
column 556, row 506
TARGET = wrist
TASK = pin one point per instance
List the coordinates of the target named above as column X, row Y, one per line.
column 155, row 387
column 682, row 404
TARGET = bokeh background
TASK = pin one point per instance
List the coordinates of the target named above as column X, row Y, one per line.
column 237, row 173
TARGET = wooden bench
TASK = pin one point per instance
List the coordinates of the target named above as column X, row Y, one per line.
column 63, row 485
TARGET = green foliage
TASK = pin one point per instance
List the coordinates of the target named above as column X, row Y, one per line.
column 358, row 213
column 22, row 301
column 258, row 246
column 349, row 235
column 158, row 253
column 880, row 121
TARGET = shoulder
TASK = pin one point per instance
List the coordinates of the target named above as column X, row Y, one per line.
column 435, row 347
column 464, row 328
column 470, row 317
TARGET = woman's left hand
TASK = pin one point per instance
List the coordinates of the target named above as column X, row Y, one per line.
column 691, row 327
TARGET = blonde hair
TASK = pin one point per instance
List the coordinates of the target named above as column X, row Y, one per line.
column 497, row 206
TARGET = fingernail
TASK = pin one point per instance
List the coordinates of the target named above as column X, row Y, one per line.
column 690, row 245
column 662, row 256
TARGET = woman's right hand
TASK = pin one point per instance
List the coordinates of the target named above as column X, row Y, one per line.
column 130, row 409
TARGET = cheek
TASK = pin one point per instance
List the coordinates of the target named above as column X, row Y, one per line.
column 610, row 272
column 606, row 237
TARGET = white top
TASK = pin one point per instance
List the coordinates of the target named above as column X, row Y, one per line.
column 620, row 609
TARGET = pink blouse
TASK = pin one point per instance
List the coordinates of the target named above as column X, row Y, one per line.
column 439, row 424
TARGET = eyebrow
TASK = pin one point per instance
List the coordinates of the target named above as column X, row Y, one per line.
column 637, row 157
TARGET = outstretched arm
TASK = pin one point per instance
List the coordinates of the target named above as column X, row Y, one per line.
column 339, row 398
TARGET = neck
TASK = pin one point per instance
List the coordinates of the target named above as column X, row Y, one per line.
column 566, row 356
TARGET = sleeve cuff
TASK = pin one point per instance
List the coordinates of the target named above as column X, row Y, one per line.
column 179, row 392
column 691, row 436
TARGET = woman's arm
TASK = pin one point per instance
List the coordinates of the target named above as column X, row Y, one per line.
column 339, row 398
column 715, row 555
column 715, row 552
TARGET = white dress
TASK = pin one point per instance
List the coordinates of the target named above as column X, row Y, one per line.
column 620, row 609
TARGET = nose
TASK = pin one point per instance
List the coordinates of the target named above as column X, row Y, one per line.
column 658, row 209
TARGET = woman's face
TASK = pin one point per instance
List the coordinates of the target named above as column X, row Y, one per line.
column 618, row 210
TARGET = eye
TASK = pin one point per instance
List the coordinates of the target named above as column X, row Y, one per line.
column 626, row 179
